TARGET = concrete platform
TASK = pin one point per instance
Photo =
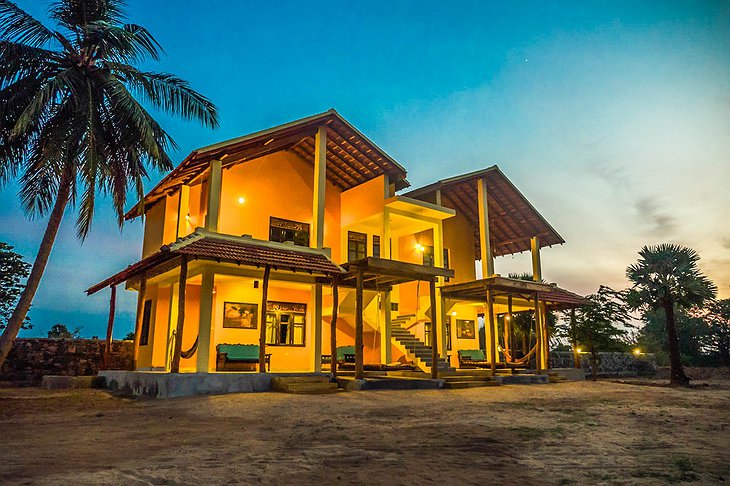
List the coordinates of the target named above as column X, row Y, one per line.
column 570, row 374
column 169, row 385
column 522, row 379
column 388, row 383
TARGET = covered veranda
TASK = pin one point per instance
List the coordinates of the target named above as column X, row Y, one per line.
column 510, row 295
column 379, row 274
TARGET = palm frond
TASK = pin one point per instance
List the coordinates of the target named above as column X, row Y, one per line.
column 18, row 26
column 169, row 93
column 75, row 15
column 128, row 43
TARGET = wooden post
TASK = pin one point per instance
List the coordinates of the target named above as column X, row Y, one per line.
column 386, row 354
column 262, row 334
column 434, row 331
column 359, row 371
column 538, row 336
column 320, row 182
column 545, row 337
column 536, row 265
column 175, row 366
column 333, row 331
column 110, row 325
column 509, row 338
column 576, row 354
column 485, row 243
column 492, row 333
column 138, row 322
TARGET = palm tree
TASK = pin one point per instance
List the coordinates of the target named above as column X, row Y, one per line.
column 667, row 276
column 70, row 126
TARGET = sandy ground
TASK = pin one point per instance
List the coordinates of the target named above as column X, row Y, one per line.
column 569, row 433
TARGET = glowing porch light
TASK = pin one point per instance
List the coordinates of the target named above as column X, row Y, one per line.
column 637, row 351
column 187, row 217
column 578, row 350
column 241, row 200
column 453, row 313
column 420, row 247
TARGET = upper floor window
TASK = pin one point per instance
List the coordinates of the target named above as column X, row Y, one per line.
column 283, row 231
column 428, row 259
column 357, row 244
column 376, row 246
column 446, row 262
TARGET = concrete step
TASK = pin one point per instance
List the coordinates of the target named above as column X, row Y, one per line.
column 308, row 388
column 469, row 384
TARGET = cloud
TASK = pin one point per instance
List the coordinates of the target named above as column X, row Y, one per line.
column 650, row 211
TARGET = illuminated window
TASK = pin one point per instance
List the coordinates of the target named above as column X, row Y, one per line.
column 428, row 259
column 285, row 231
column 427, row 334
column 285, row 323
column 357, row 244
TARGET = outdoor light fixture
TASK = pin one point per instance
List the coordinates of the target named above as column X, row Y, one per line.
column 187, row 217
column 420, row 247
column 241, row 200
column 637, row 351
column 453, row 313
column 578, row 350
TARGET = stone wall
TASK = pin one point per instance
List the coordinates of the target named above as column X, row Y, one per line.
column 30, row 359
column 609, row 364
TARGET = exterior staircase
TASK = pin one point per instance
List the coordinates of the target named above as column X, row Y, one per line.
column 416, row 350
column 310, row 385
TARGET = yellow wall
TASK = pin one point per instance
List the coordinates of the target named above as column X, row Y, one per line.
column 459, row 240
column 278, row 185
column 363, row 201
column 153, row 228
column 283, row 358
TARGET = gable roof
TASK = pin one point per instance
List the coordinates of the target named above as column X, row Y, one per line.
column 512, row 219
column 352, row 158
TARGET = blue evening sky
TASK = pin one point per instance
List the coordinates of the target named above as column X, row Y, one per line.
column 613, row 118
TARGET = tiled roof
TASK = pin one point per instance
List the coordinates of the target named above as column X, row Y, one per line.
column 560, row 298
column 232, row 249
column 247, row 251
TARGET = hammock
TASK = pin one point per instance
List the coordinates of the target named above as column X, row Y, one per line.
column 522, row 360
column 190, row 352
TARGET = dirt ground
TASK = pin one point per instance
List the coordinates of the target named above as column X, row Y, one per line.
column 568, row 433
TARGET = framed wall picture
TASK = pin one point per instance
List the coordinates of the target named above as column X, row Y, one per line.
column 240, row 315
column 465, row 329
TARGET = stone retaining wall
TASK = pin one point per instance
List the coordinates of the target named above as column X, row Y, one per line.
column 32, row 358
column 609, row 364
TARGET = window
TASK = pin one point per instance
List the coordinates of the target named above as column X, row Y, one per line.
column 428, row 256
column 357, row 244
column 427, row 334
column 144, row 333
column 394, row 306
column 283, row 231
column 285, row 323
column 447, row 323
column 376, row 246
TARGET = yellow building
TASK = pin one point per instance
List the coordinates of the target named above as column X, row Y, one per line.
column 277, row 238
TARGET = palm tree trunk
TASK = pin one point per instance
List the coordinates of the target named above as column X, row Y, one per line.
column 39, row 266
column 678, row 378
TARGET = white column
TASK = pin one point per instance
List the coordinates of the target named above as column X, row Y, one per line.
column 317, row 328
column 385, row 339
column 485, row 243
column 214, row 195
column 320, row 182
column 205, row 333
column 183, row 206
column 536, row 265
column 385, row 237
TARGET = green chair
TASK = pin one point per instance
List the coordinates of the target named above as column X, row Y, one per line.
column 239, row 357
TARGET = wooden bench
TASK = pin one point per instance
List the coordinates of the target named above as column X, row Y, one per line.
column 472, row 358
column 239, row 357
column 345, row 354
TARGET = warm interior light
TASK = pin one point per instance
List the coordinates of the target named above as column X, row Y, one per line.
column 420, row 247
column 506, row 317
column 453, row 313
column 187, row 217
column 241, row 200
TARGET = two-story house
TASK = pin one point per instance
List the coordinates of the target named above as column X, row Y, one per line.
column 295, row 235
